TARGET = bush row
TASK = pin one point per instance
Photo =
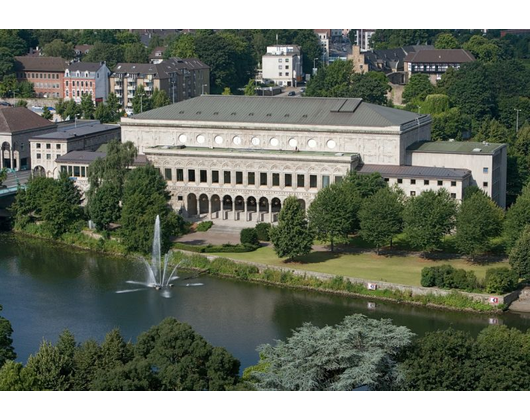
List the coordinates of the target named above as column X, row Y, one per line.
column 216, row 248
column 242, row 271
column 204, row 226
column 498, row 280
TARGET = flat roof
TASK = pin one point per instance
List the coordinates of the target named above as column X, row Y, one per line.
column 415, row 171
column 87, row 157
column 71, row 133
column 461, row 147
column 345, row 112
column 250, row 150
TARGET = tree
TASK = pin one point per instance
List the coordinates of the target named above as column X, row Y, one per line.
column 7, row 62
column 145, row 197
column 446, row 41
column 72, row 110
column 520, row 255
column 479, row 219
column 7, row 352
column 59, row 48
column 87, row 106
column 3, row 175
column 483, row 49
column 395, row 38
column 417, row 89
column 135, row 53
column 452, row 124
column 292, row 237
column 441, row 360
column 328, row 215
column 381, row 217
column 356, row 352
column 22, row 103
column 46, row 113
column 141, row 102
column 114, row 106
column 111, row 54
column 160, row 98
column 104, row 205
column 103, row 113
column 184, row 46
column 428, row 218
column 185, row 361
column 517, row 218
column 250, row 88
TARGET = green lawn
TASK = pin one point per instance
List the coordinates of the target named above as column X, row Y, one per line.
column 393, row 269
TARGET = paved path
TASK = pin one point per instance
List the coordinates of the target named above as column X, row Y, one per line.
column 523, row 303
column 216, row 235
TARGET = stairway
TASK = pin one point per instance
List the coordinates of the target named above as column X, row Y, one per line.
column 522, row 304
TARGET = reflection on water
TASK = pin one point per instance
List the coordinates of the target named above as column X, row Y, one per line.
column 46, row 288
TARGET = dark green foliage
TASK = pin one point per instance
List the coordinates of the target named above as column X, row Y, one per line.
column 451, row 360
column 7, row 352
column 417, row 89
column 356, row 352
column 448, row 277
column 46, row 113
column 160, row 98
column 479, row 219
column 384, row 39
column 87, row 106
column 520, row 255
column 204, row 226
column 59, row 48
column 144, row 198
column 102, row 51
column 216, row 248
column 104, row 205
column 262, row 229
column 446, row 41
column 249, row 236
column 141, row 101
column 501, row 280
column 517, row 217
column 292, row 237
column 428, row 218
column 135, row 53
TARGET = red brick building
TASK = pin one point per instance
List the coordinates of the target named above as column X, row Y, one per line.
column 46, row 74
column 81, row 78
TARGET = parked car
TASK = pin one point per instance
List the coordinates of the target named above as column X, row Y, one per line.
column 291, row 93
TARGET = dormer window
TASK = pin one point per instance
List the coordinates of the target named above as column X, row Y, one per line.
column 86, row 74
column 78, row 73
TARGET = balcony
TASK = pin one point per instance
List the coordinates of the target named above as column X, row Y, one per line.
column 119, row 95
column 118, row 87
column 148, row 88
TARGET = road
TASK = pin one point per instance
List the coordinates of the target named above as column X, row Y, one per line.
column 22, row 176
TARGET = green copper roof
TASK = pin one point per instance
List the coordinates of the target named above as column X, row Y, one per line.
column 282, row 110
column 456, row 147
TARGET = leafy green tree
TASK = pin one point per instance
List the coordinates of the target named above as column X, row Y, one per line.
column 46, row 113
column 12, row 40
column 446, row 41
column 417, row 89
column 250, row 88
column 72, row 110
column 103, row 113
column 292, row 237
column 160, row 98
column 144, row 197
column 356, row 352
column 87, row 106
column 110, row 53
column 7, row 352
column 59, row 48
column 104, row 205
column 435, row 104
column 395, row 38
column 135, row 53
column 479, row 220
column 381, row 217
column 50, row 369
column 7, row 62
column 328, row 215
column 441, row 361
column 60, row 108
column 520, row 255
column 500, row 280
column 428, row 218
column 184, row 46
column 452, row 124
column 3, row 175
column 517, row 217
column 141, row 101
column 13, row 377
column 483, row 49
column 492, row 131
column 114, row 106
column 183, row 360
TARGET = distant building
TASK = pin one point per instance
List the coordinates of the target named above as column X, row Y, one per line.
column 180, row 78
column 363, row 38
column 325, row 37
column 282, row 64
column 436, row 62
column 81, row 50
column 84, row 135
column 17, row 126
column 46, row 74
column 81, row 78
column 157, row 55
column 390, row 62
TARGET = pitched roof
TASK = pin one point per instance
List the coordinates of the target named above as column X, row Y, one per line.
column 440, row 56
column 14, row 119
column 392, row 59
column 31, row 63
column 83, row 49
column 87, row 157
column 283, row 110
column 84, row 66
column 415, row 171
column 163, row 69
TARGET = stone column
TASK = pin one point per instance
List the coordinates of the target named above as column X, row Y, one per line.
column 11, row 158
column 210, row 205
column 270, row 211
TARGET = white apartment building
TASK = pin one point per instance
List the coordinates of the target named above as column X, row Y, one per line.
column 282, row 64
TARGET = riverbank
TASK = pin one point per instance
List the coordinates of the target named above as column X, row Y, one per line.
column 298, row 279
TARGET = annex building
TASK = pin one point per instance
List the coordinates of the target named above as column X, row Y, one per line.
column 239, row 158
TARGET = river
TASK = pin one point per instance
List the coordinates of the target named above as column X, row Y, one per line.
column 46, row 288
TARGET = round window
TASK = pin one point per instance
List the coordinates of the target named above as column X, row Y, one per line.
column 255, row 141
column 218, row 139
column 312, row 143
column 331, row 144
column 237, row 140
column 293, row 142
column 201, row 139
column 183, row 138
column 274, row 142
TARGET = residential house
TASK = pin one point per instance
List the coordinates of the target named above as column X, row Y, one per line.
column 157, row 55
column 81, row 78
column 46, row 74
column 282, row 64
column 81, row 50
column 435, row 62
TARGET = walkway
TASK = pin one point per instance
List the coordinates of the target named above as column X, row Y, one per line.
column 216, row 235
column 523, row 303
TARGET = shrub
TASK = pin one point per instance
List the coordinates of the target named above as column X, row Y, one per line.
column 249, row 236
column 262, row 229
column 447, row 277
column 428, row 277
column 204, row 226
column 501, row 280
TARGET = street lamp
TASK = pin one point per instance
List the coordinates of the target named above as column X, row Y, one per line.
column 517, row 119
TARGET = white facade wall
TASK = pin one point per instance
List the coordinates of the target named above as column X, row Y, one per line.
column 415, row 186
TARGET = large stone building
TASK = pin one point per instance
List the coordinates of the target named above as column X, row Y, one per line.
column 234, row 157
column 17, row 126
column 81, row 136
